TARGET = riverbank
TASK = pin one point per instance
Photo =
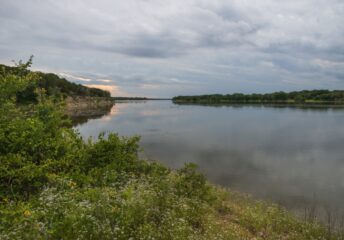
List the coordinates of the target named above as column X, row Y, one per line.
column 311, row 97
column 155, row 203
column 305, row 105
column 87, row 106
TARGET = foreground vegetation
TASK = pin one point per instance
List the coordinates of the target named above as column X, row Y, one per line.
column 55, row 185
column 303, row 97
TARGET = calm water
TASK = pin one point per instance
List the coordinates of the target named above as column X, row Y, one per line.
column 292, row 156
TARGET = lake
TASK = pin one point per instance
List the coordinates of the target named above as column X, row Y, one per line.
column 289, row 155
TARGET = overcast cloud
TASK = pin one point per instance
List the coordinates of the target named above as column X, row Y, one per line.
column 162, row 48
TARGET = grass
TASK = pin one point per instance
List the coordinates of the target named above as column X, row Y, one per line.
column 160, row 205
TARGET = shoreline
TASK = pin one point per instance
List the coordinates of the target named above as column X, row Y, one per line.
column 272, row 104
column 87, row 106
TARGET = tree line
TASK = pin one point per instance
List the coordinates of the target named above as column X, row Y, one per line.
column 52, row 83
column 305, row 96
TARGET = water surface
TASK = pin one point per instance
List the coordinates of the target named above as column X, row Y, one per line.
column 292, row 156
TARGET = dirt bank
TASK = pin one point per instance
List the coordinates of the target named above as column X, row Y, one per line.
column 87, row 106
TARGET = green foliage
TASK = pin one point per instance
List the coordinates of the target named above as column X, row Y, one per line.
column 314, row 96
column 32, row 143
column 53, row 84
column 136, row 210
column 55, row 185
column 60, row 86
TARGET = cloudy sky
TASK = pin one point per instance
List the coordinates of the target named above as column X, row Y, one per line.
column 163, row 48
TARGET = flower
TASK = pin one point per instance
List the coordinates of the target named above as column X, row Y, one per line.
column 27, row 213
column 72, row 184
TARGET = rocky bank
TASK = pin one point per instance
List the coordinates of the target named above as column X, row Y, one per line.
column 87, row 106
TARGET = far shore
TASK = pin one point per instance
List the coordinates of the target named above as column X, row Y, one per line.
column 272, row 104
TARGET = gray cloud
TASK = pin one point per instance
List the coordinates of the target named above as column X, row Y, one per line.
column 183, row 47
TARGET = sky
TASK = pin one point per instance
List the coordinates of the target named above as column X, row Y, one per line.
column 159, row 48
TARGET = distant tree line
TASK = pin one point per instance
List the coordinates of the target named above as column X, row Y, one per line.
column 138, row 98
column 53, row 85
column 130, row 98
column 306, row 96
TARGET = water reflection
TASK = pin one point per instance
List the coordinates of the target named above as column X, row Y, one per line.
column 103, row 112
column 290, row 155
